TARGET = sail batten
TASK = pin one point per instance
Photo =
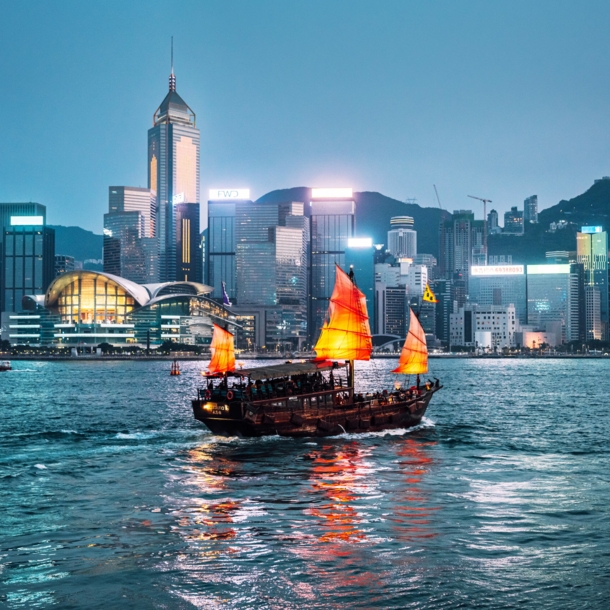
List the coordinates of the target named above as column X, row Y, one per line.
column 223, row 351
column 347, row 334
column 414, row 354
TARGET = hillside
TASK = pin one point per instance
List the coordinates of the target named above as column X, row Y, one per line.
column 373, row 213
column 77, row 242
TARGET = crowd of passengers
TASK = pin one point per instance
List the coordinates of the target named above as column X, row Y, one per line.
column 306, row 384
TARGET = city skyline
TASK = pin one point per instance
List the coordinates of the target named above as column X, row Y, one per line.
column 381, row 116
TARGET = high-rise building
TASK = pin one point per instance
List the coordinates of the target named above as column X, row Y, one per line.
column 28, row 260
column 135, row 199
column 553, row 296
column 493, row 226
column 332, row 216
column 461, row 239
column 530, row 210
column 592, row 253
column 499, row 285
column 188, row 256
column 360, row 257
column 513, row 222
column 173, row 174
column 220, row 243
column 402, row 239
column 444, row 308
column 63, row 264
column 488, row 327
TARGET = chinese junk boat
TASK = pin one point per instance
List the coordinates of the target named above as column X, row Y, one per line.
column 316, row 397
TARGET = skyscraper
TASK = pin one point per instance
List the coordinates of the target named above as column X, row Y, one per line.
column 513, row 222
column 173, row 174
column 188, row 256
column 592, row 253
column 402, row 239
column 530, row 209
column 332, row 214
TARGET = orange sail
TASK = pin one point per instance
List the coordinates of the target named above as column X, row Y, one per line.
column 223, row 351
column 347, row 334
column 414, row 355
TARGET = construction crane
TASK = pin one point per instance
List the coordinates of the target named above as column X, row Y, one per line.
column 437, row 197
column 485, row 202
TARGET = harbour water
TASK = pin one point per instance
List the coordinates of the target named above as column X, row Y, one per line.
column 112, row 496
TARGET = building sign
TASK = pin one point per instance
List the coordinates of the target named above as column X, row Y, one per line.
column 360, row 242
column 496, row 270
column 219, row 194
column 179, row 198
column 591, row 230
column 20, row 221
column 332, row 193
column 544, row 269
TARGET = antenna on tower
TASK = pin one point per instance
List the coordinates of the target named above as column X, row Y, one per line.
column 172, row 78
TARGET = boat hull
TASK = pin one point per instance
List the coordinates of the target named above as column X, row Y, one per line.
column 245, row 421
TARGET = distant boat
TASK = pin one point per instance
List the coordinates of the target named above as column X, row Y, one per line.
column 5, row 366
column 175, row 368
column 315, row 397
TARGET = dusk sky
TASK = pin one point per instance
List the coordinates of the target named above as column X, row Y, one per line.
column 496, row 99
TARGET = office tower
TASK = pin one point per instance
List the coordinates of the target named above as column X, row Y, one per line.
column 390, row 310
column 489, row 327
column 461, row 238
column 360, row 256
column 402, row 239
column 530, row 210
column 592, row 253
column 271, row 269
column 123, row 252
column 492, row 223
column 430, row 262
column 63, row 264
column 444, row 308
column 332, row 217
column 28, row 255
column 173, row 173
column 553, row 296
column 220, row 244
column 414, row 278
column 135, row 199
column 513, row 222
column 499, row 285
column 188, row 259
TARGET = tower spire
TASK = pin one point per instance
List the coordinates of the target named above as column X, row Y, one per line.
column 172, row 77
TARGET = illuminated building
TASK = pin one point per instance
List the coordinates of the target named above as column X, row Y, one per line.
column 28, row 259
column 220, row 243
column 173, row 174
column 89, row 308
column 554, row 296
column 63, row 264
column 499, row 285
column 530, row 210
column 592, row 253
column 402, row 239
column 513, row 222
column 135, row 199
column 188, row 256
column 332, row 217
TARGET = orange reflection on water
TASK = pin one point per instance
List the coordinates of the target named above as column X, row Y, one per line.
column 412, row 513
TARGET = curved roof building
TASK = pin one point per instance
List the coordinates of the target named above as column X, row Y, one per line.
column 91, row 307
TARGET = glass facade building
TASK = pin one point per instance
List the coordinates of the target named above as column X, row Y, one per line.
column 173, row 173
column 500, row 285
column 360, row 256
column 332, row 225
column 135, row 199
column 554, row 296
column 188, row 259
column 220, row 248
column 592, row 254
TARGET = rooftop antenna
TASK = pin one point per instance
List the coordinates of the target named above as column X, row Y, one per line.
column 172, row 78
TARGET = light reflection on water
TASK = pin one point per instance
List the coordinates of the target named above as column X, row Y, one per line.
column 500, row 498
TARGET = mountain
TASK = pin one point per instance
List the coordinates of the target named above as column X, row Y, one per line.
column 590, row 208
column 373, row 214
column 77, row 242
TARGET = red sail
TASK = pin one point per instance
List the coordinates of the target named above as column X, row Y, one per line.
column 347, row 334
column 414, row 355
column 223, row 351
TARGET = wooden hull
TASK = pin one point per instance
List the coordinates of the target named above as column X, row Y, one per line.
column 245, row 420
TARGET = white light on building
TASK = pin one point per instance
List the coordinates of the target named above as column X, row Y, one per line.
column 20, row 221
column 332, row 193
column 498, row 269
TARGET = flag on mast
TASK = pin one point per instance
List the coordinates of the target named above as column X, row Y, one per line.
column 429, row 295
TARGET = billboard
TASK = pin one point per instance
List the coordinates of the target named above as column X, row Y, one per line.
column 360, row 242
column 591, row 230
column 544, row 269
column 332, row 193
column 20, row 221
column 496, row 270
column 220, row 194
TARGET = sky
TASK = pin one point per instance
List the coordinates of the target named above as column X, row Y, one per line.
column 500, row 100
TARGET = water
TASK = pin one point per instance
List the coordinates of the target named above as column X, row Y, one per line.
column 112, row 496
